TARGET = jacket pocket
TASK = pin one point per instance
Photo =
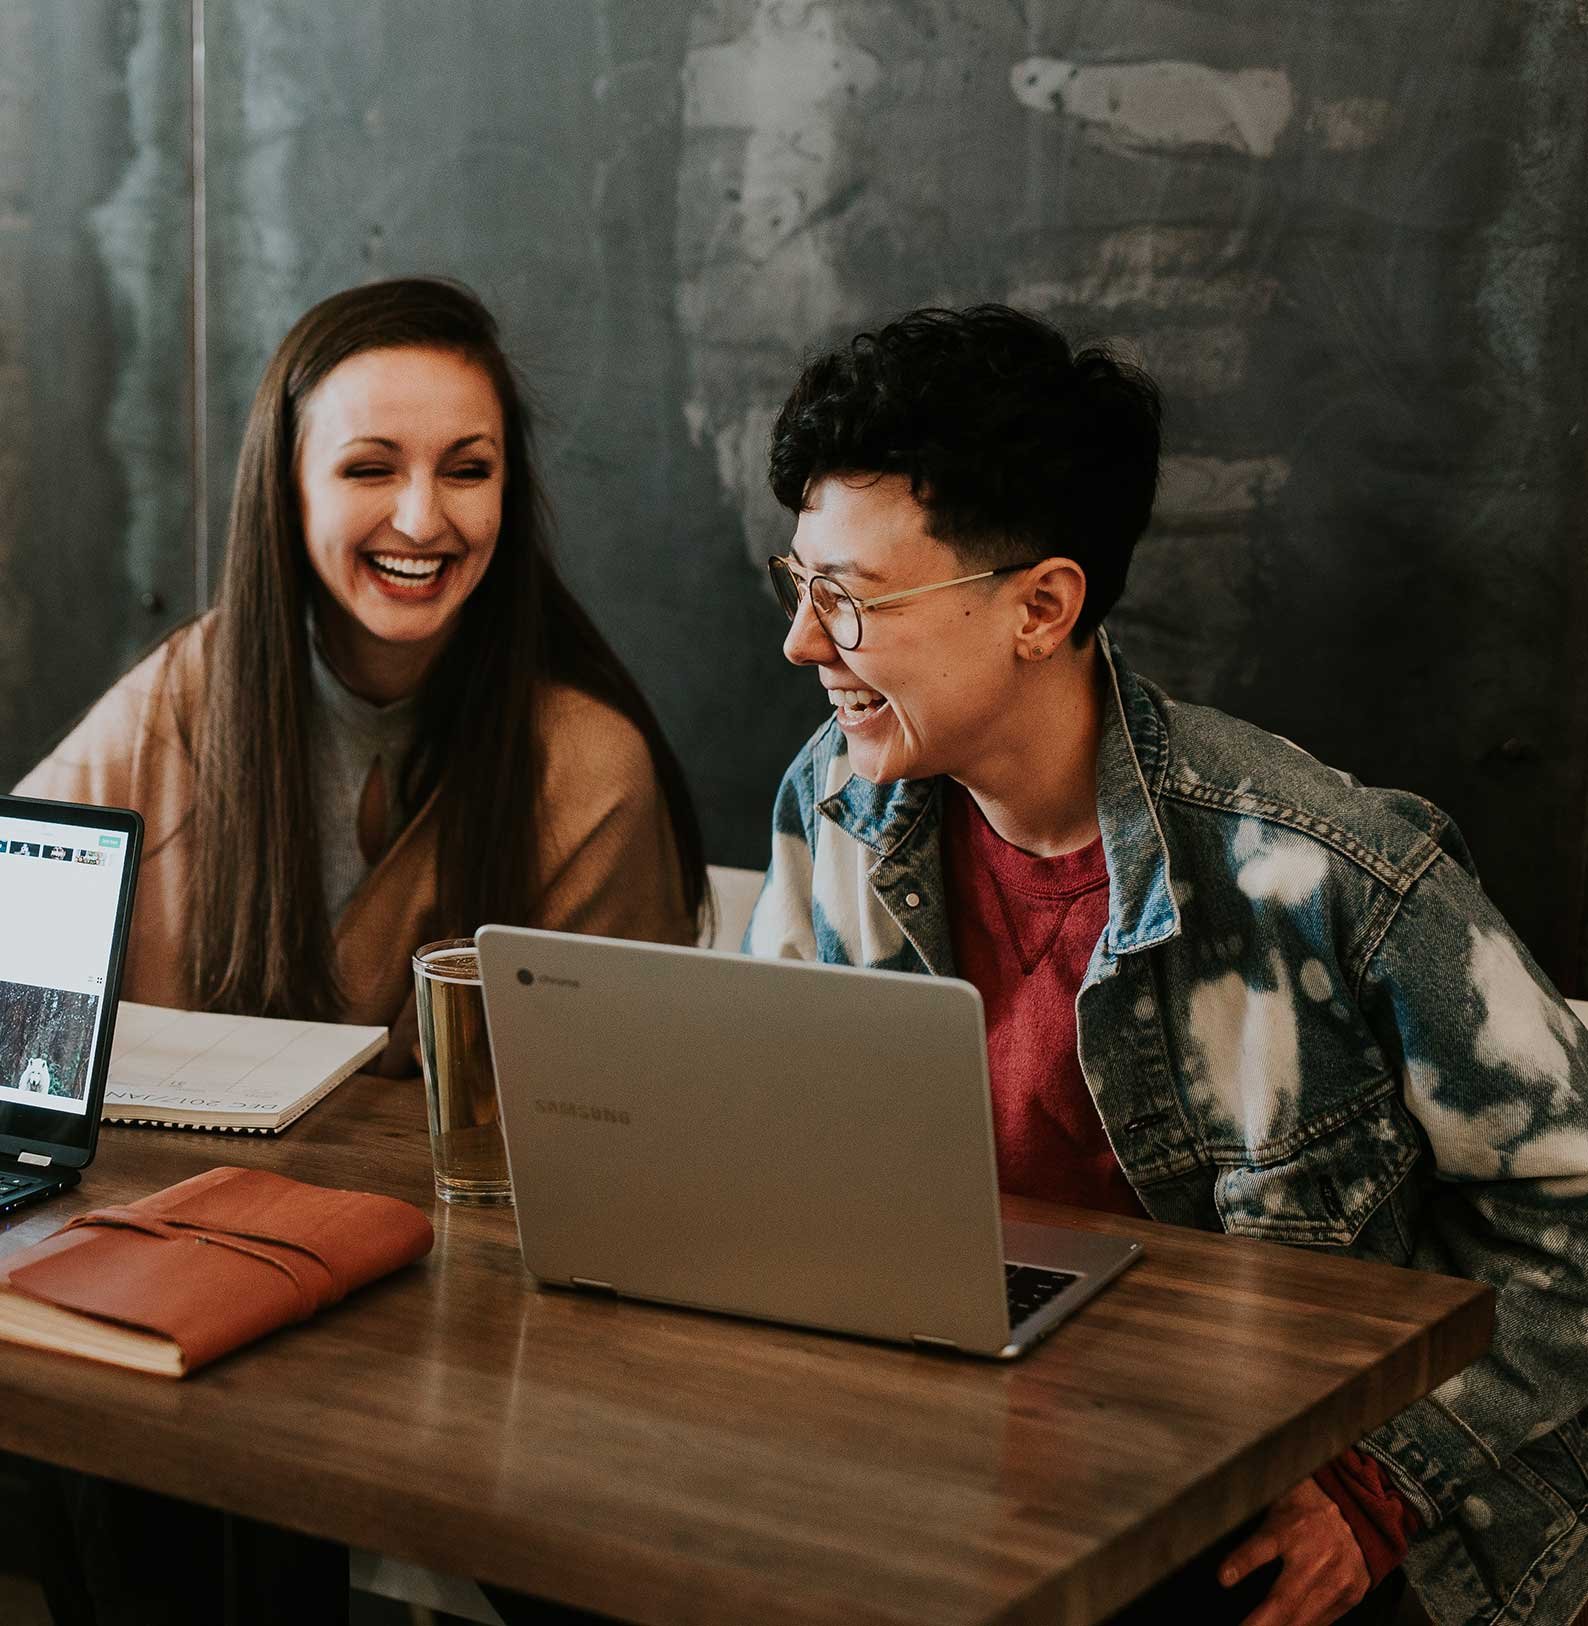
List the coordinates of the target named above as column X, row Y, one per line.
column 1339, row 1184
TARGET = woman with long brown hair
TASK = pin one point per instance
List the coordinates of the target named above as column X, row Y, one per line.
column 397, row 722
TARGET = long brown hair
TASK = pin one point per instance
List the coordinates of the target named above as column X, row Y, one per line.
column 261, row 933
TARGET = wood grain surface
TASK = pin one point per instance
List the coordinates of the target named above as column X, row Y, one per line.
column 664, row 1466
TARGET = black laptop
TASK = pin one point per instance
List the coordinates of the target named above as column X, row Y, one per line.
column 67, row 875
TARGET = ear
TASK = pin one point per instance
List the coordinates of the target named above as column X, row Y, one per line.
column 1052, row 595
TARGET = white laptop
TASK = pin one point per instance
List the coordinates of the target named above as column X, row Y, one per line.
column 792, row 1142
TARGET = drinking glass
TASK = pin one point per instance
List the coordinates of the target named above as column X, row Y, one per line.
column 466, row 1148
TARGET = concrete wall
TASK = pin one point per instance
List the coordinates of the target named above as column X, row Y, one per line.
column 96, row 545
column 1348, row 238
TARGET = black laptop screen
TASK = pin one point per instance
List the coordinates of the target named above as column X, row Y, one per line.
column 66, row 877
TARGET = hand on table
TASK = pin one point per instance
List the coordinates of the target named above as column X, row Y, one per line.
column 1322, row 1572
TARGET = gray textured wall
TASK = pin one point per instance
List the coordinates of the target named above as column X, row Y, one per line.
column 1349, row 238
column 95, row 431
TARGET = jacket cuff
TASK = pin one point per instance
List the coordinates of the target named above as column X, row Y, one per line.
column 1430, row 1457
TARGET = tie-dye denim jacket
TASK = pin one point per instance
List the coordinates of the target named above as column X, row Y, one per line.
column 1304, row 1022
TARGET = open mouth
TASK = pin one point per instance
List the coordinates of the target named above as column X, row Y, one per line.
column 406, row 575
column 856, row 707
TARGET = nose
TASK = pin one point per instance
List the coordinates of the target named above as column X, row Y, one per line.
column 807, row 643
column 418, row 515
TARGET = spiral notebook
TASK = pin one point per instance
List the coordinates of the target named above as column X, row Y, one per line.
column 202, row 1070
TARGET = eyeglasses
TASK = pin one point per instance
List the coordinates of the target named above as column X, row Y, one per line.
column 837, row 609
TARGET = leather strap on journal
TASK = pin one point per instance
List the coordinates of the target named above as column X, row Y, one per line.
column 174, row 1230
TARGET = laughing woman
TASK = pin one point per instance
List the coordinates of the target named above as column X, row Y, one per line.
column 396, row 723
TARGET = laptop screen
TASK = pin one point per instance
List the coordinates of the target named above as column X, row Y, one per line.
column 66, row 879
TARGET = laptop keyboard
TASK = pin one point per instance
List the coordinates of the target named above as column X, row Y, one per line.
column 16, row 1189
column 1029, row 1287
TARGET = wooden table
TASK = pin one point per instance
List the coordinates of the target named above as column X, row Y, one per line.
column 663, row 1466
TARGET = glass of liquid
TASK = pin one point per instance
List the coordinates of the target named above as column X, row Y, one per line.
column 460, row 1086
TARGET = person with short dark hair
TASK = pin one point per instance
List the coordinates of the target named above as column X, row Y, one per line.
column 1226, row 986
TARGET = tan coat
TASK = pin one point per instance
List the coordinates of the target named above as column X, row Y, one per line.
column 608, row 854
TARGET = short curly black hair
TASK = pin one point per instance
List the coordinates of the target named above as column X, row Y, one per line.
column 1016, row 446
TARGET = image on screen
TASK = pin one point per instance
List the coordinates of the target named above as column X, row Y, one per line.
column 59, row 889
column 46, row 1041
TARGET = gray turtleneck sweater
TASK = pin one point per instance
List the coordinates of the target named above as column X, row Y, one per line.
column 348, row 736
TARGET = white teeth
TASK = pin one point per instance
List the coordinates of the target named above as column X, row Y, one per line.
column 850, row 698
column 398, row 564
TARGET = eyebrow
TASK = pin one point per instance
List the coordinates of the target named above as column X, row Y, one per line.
column 392, row 446
column 839, row 567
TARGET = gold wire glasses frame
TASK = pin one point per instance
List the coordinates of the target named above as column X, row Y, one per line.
column 837, row 609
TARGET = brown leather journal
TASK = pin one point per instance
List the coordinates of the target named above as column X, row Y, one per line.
column 176, row 1279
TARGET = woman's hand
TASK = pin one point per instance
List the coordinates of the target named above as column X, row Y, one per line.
column 1322, row 1572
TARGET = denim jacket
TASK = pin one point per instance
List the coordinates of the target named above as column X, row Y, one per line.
column 1304, row 1021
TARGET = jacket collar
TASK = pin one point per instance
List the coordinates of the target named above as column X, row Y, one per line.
column 1131, row 761
column 881, row 817
column 1132, row 758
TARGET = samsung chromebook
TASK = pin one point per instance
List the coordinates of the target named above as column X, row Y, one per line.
column 798, row 1143
column 66, row 881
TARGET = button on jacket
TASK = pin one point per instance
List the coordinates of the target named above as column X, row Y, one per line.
column 1305, row 1022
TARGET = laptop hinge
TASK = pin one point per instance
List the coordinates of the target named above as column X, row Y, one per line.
column 37, row 1159
column 592, row 1287
column 930, row 1342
